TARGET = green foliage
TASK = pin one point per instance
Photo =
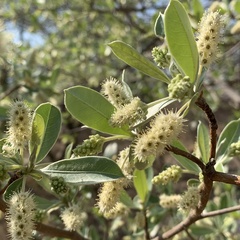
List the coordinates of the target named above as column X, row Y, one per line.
column 92, row 109
column 180, row 39
column 46, row 128
column 130, row 56
column 84, row 170
column 203, row 141
column 74, row 54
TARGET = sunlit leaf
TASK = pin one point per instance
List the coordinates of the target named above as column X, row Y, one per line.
column 229, row 135
column 141, row 184
column 12, row 188
column 180, row 39
column 203, row 141
column 45, row 130
column 92, row 109
column 134, row 59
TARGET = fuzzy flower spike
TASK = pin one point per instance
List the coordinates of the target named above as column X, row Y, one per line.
column 209, row 36
column 19, row 126
column 20, row 216
column 163, row 130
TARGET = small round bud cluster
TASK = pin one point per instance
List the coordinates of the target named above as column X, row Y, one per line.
column 20, row 216
column 163, row 130
column 209, row 36
column 73, row 217
column 59, row 185
column 171, row 201
column 91, row 146
column 234, row 149
column 180, row 87
column 115, row 92
column 189, row 199
column 119, row 210
column 109, row 196
column 161, row 56
column 129, row 114
column 3, row 172
column 19, row 125
column 171, row 174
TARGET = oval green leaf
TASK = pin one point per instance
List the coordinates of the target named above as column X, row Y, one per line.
column 92, row 109
column 85, row 170
column 141, row 184
column 203, row 141
column 180, row 39
column 45, row 130
column 134, row 59
column 15, row 186
column 229, row 135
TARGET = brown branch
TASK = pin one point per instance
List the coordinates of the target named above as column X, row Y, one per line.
column 201, row 103
column 185, row 154
column 226, row 178
column 191, row 219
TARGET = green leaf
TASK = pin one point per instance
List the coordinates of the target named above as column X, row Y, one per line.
column 12, row 188
column 92, row 109
column 84, row 170
column 43, row 203
column 180, row 39
column 46, row 127
column 229, row 135
column 203, row 141
column 186, row 163
column 141, row 184
column 198, row 9
column 159, row 26
column 134, row 59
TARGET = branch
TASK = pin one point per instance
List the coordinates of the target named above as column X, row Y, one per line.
column 201, row 103
column 226, row 178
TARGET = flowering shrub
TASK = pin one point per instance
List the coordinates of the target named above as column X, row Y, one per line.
column 129, row 190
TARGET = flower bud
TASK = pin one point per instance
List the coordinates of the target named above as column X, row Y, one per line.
column 58, row 185
column 161, row 56
column 234, row 149
column 180, row 87
column 171, row 174
column 91, row 146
